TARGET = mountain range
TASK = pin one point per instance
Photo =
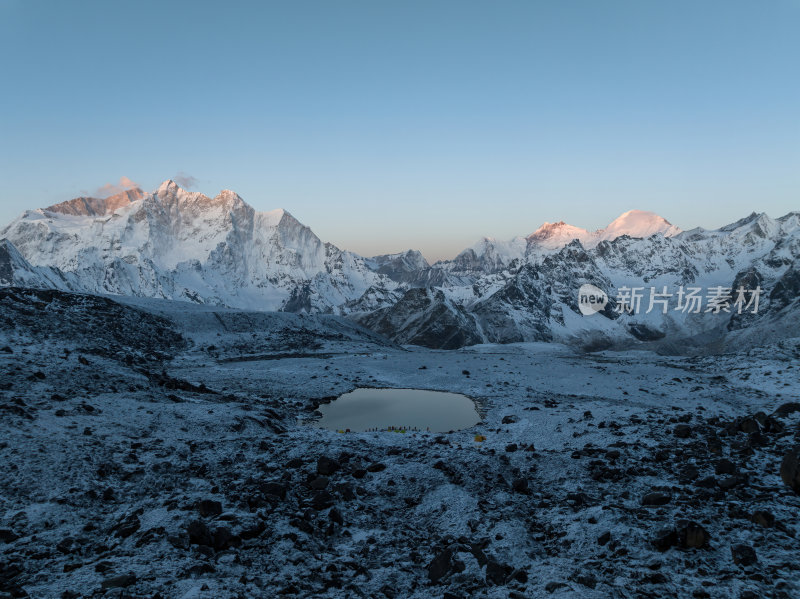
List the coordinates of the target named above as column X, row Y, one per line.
column 181, row 245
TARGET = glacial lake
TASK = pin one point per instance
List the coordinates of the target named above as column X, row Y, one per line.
column 399, row 409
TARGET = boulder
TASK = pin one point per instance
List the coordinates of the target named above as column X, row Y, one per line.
column 743, row 555
column 790, row 469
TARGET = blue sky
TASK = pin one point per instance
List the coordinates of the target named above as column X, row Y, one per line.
column 389, row 125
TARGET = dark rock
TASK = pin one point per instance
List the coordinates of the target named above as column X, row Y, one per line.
column 725, row 466
column 743, row 555
column 511, row 447
column 519, row 575
column 376, row 467
column 682, row 431
column 302, row 525
column 587, row 580
column 8, row 535
column 443, row 565
column 664, row 539
column 67, row 545
column 687, row 534
column 273, row 489
column 335, row 516
column 689, row 474
column 327, row 466
column 127, row 526
column 496, row 573
column 790, row 469
column 709, row 482
column 553, row 586
column 763, row 518
column 749, row 425
column 346, row 491
column 691, row 535
column 510, row 419
column 787, row 409
column 321, row 500
column 199, row 534
column 178, row 541
column 294, row 464
column 645, row 333
column 224, row 538
column 604, row 538
column 319, row 483
column 520, row 485
column 209, row 507
column 656, row 498
column 119, row 582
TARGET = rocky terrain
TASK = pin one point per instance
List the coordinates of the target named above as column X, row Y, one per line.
column 161, row 449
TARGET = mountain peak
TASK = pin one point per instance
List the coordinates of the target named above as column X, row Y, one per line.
column 168, row 184
column 637, row 223
column 88, row 206
column 555, row 235
column 228, row 196
column 634, row 223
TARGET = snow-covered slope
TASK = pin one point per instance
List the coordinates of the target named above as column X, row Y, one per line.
column 16, row 271
column 534, row 298
column 183, row 245
column 634, row 223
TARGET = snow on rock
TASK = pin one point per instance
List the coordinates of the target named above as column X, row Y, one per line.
column 535, row 298
column 154, row 447
column 219, row 251
column 634, row 223
column 177, row 244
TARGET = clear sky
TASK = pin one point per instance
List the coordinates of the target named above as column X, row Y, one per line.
column 391, row 125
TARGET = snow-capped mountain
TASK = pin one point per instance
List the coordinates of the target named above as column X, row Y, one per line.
column 402, row 267
column 183, row 245
column 634, row 223
column 87, row 206
column 490, row 255
column 535, row 298
column 177, row 244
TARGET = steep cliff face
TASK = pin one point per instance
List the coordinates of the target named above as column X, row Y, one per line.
column 425, row 317
column 182, row 245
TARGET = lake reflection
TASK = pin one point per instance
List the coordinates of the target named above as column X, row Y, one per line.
column 420, row 409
